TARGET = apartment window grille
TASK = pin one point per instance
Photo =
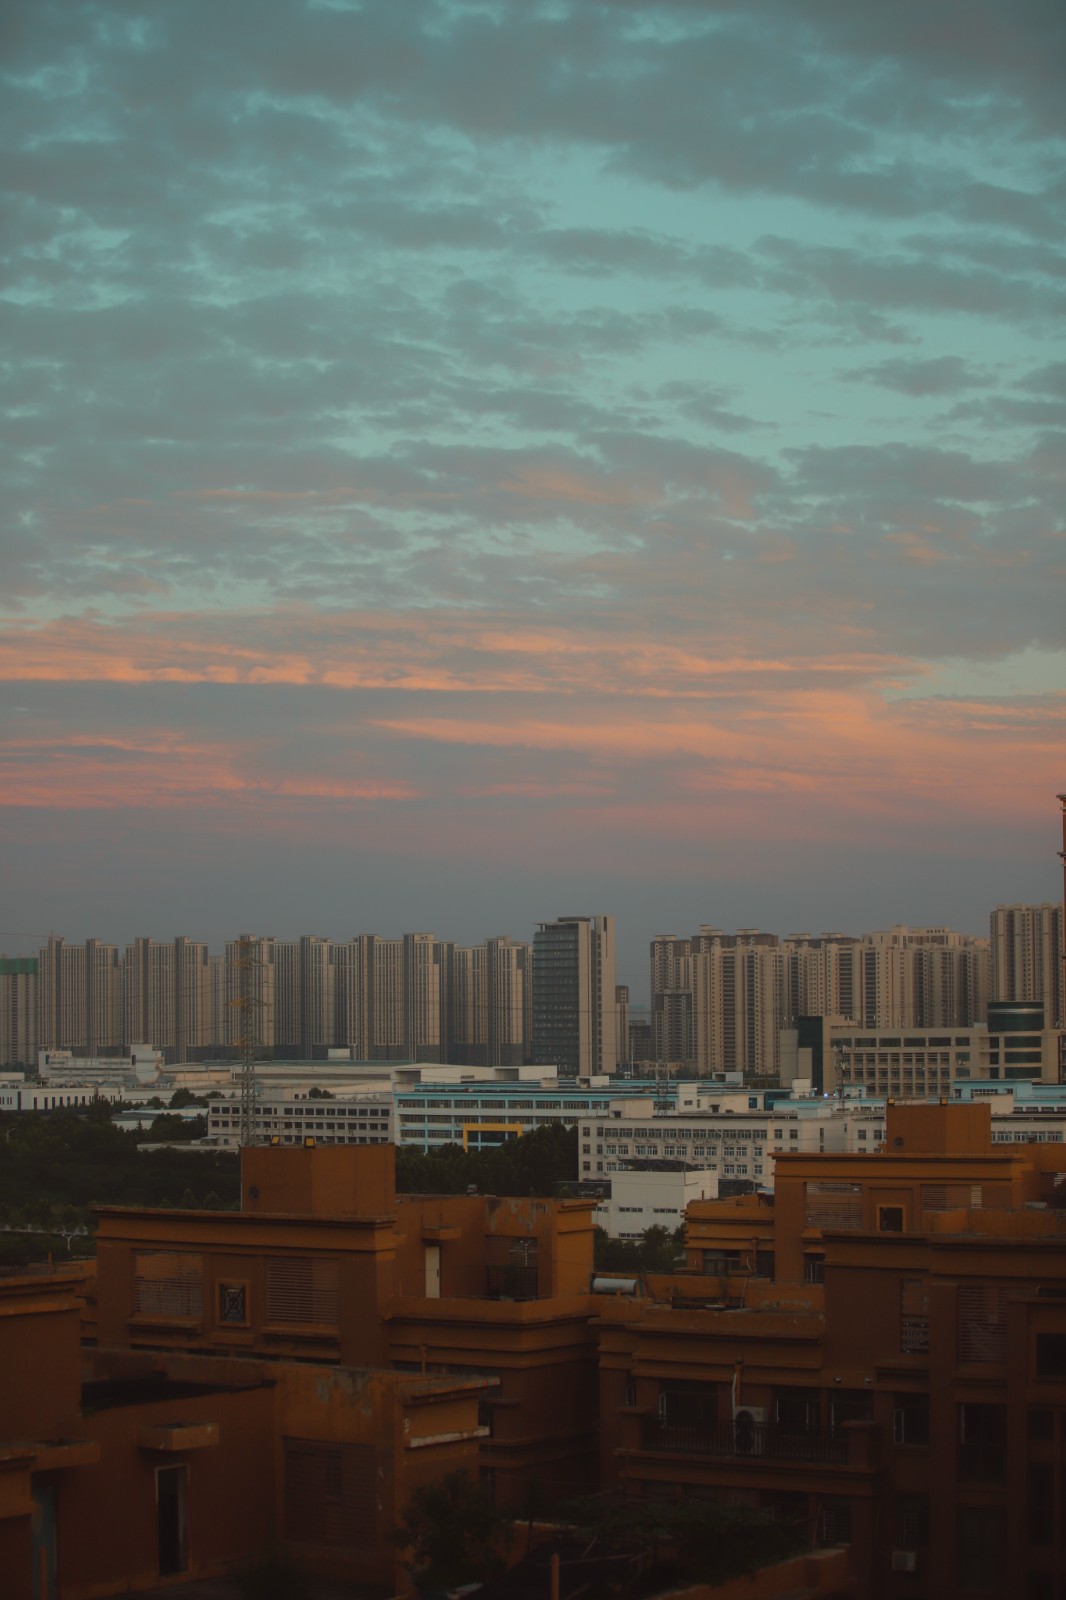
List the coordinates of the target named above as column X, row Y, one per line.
column 834, row 1521
column 233, row 1304
column 982, row 1323
column 302, row 1289
column 913, row 1316
column 168, row 1283
column 330, row 1493
column 836, row 1206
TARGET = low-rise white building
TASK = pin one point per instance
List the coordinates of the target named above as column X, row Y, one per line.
column 29, row 1095
column 642, row 1200
column 141, row 1063
column 733, row 1142
column 348, row 1117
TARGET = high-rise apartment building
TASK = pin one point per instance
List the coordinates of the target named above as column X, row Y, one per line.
column 574, row 1012
column 737, row 1002
column 79, row 997
column 490, row 998
column 148, row 993
column 716, row 1001
column 425, row 968
column 673, row 1039
column 305, row 1007
column 720, row 1000
column 1028, row 958
column 621, row 1024
column 391, row 997
column 18, row 1011
column 249, row 977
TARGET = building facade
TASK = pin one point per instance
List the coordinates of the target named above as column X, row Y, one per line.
column 18, row 1011
column 574, row 1004
column 1029, row 958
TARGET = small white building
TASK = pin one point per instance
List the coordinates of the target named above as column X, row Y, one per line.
column 642, row 1200
column 730, row 1138
column 33, row 1096
column 141, row 1063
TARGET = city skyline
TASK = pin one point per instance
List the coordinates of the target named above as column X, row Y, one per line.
column 468, row 459
column 717, row 1000
column 635, row 946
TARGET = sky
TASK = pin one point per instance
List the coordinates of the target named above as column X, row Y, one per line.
column 469, row 463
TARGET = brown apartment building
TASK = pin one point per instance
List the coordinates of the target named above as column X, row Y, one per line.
column 283, row 1377
column 879, row 1354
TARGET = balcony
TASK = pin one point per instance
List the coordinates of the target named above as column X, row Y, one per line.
column 511, row 1282
column 754, row 1440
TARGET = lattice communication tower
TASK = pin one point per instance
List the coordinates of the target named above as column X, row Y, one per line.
column 248, row 1004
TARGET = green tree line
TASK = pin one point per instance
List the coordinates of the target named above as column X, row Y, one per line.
column 54, row 1165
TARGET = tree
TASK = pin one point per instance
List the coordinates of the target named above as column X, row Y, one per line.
column 698, row 1540
column 166, row 1128
column 453, row 1533
column 185, row 1097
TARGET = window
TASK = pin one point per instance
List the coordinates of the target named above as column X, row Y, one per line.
column 1051, row 1355
column 982, row 1442
column 834, row 1205
column 910, row 1419
column 330, row 1493
column 172, row 1519
column 913, row 1315
column 302, row 1289
column 890, row 1219
column 850, row 1405
column 912, row 1521
column 1041, row 1425
column 721, row 1263
column 233, row 1304
column 796, row 1410
column 834, row 1521
column 168, row 1283
column 1041, row 1502
column 688, row 1403
column 982, row 1540
column 982, row 1323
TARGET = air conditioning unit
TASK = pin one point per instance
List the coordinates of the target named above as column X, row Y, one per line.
column 749, row 1439
column 904, row 1561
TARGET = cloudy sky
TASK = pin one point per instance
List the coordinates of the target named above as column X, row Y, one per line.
column 472, row 462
